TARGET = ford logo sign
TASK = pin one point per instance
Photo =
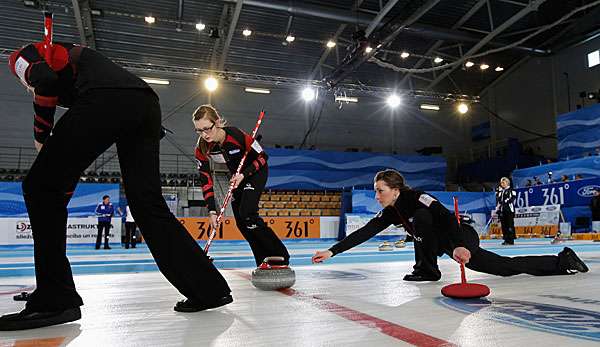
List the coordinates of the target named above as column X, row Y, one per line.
column 587, row 191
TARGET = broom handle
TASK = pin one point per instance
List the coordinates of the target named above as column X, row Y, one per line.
column 463, row 278
column 213, row 232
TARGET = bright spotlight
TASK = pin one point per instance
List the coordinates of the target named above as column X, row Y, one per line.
column 438, row 60
column 404, row 55
column 484, row 66
column 308, row 94
column 330, row 44
column 200, row 26
column 462, row 108
column 247, row 32
column 150, row 19
column 290, row 38
column 469, row 64
column 211, row 84
column 394, row 101
column 369, row 49
column 499, row 69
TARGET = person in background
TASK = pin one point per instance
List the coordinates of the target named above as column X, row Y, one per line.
column 564, row 178
column 595, row 205
column 505, row 207
column 130, row 228
column 105, row 211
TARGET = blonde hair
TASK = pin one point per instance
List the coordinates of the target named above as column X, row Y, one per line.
column 505, row 179
column 210, row 113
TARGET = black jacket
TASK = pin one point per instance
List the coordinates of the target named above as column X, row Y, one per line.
column 444, row 222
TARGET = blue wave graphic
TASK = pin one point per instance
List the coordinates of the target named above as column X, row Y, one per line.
column 83, row 203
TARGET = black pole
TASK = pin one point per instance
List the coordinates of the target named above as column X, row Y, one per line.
column 568, row 91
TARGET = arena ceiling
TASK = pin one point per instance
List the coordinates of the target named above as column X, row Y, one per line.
column 425, row 29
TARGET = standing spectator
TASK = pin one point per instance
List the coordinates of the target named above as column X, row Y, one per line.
column 129, row 229
column 104, row 211
column 505, row 207
column 595, row 205
column 564, row 178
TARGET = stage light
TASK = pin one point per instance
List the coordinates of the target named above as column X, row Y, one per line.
column 308, row 94
column 394, row 101
column 211, row 84
column 462, row 108
column 430, row 107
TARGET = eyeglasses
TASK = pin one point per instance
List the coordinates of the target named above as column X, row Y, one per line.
column 205, row 130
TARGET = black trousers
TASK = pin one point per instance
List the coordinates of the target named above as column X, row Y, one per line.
column 106, row 227
column 262, row 239
column 431, row 242
column 507, row 221
column 130, row 234
column 130, row 118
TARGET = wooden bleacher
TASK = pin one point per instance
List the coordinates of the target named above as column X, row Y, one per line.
column 300, row 203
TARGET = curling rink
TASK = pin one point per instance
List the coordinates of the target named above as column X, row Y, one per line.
column 357, row 298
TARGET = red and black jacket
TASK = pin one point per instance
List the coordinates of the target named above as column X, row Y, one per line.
column 72, row 71
column 230, row 152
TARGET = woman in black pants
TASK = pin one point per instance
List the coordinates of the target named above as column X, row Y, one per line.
column 505, row 207
column 227, row 145
column 437, row 232
column 107, row 105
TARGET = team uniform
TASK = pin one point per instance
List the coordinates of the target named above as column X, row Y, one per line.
column 104, row 213
column 505, row 200
column 437, row 232
column 93, row 88
column 262, row 239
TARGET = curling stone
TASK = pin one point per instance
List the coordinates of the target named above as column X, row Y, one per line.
column 386, row 246
column 400, row 244
column 269, row 276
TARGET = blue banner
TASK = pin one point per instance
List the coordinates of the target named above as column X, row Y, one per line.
column 566, row 194
column 578, row 132
column 304, row 169
column 83, row 203
column 363, row 201
column 577, row 121
column 587, row 167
